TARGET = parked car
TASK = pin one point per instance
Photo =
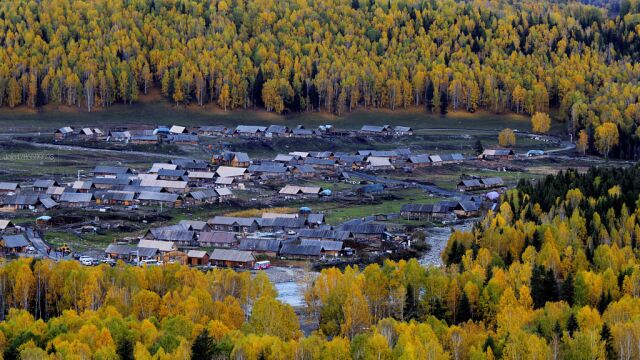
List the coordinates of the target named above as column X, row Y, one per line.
column 148, row 262
column 109, row 261
column 261, row 265
column 86, row 260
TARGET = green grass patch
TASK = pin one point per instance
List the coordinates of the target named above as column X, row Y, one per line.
column 336, row 212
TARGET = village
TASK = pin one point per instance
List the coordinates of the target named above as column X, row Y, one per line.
column 135, row 207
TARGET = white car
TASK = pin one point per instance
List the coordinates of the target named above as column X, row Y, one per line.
column 148, row 262
column 86, row 260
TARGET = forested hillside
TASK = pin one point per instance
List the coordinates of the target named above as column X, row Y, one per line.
column 329, row 55
column 550, row 275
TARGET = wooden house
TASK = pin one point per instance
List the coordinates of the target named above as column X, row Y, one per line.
column 197, row 257
column 159, row 199
column 13, row 244
column 232, row 258
column 217, row 239
column 424, row 211
column 266, row 247
column 497, row 154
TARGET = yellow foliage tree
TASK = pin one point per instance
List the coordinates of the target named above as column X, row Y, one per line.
column 540, row 123
column 507, row 138
column 606, row 138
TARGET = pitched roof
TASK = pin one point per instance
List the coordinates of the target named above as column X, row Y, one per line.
column 158, row 196
column 5, row 224
column 378, row 161
column 302, row 154
column 224, row 181
column 76, row 197
column 224, row 192
column 295, row 190
column 227, row 220
column 217, row 237
column 468, row 206
column 172, row 173
column 315, row 218
column 44, row 183
column 201, row 175
column 363, row 228
column 201, row 195
column 470, row 183
column 318, row 161
column 351, row 158
column 119, row 249
column 156, row 244
column 214, row 128
column 48, row 202
column 492, row 181
column 425, row 208
column 277, row 129
column 65, row 130
column 198, row 254
column 196, row 225
column 282, row 222
column 300, row 250
column 324, row 234
column 326, row 245
column 284, row 157
column 250, row 129
column 111, row 181
column 55, row 190
column 14, row 241
column 270, row 245
column 230, row 171
column 302, row 132
column 170, row 184
column 277, row 168
column 497, row 152
column 231, row 255
column 176, row 129
column 138, row 189
column 373, row 128
column 271, row 215
column 115, row 195
column 8, row 186
column 383, row 153
column 82, row 185
column 144, row 251
column 419, row 159
column 305, row 169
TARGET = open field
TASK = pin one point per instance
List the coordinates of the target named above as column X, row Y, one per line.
column 23, row 162
column 336, row 213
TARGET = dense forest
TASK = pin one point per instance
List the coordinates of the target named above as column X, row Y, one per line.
column 552, row 274
column 331, row 55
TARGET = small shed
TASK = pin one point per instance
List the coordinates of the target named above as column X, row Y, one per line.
column 197, row 257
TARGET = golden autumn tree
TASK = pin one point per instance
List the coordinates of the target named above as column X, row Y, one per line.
column 583, row 141
column 540, row 123
column 606, row 137
column 507, row 138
